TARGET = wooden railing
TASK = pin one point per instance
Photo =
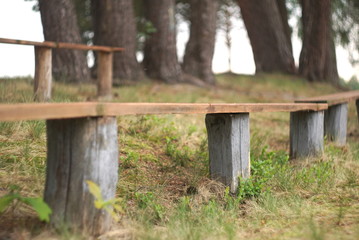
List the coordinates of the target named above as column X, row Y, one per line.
column 43, row 66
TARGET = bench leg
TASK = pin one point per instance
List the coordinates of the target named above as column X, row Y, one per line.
column 357, row 103
column 104, row 75
column 228, row 145
column 79, row 150
column 43, row 74
column 335, row 123
column 306, row 134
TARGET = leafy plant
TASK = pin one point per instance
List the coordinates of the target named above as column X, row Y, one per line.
column 38, row 204
column 109, row 205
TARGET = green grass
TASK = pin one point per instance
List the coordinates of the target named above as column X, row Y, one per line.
column 164, row 180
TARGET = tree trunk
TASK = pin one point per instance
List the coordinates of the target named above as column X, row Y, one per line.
column 160, row 54
column 269, row 38
column 114, row 25
column 60, row 25
column 317, row 60
column 198, row 56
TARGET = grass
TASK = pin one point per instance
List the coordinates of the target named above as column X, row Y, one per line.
column 164, row 183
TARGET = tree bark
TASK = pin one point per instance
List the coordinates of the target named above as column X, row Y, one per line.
column 199, row 51
column 60, row 24
column 317, row 60
column 114, row 25
column 269, row 38
column 160, row 54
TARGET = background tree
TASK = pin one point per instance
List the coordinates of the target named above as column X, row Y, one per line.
column 317, row 60
column 198, row 56
column 267, row 33
column 114, row 25
column 60, row 24
column 160, row 54
column 228, row 11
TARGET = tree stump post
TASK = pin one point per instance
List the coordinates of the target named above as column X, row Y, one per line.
column 104, row 75
column 335, row 123
column 78, row 150
column 43, row 74
column 228, row 145
column 306, row 133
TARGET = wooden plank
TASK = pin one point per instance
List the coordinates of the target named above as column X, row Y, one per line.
column 62, row 45
column 37, row 111
column 332, row 99
column 43, row 74
column 228, row 146
column 306, row 134
column 79, row 150
column 104, row 75
column 335, row 123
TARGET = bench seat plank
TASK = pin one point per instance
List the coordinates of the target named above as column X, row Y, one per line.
column 61, row 45
column 38, row 111
column 332, row 99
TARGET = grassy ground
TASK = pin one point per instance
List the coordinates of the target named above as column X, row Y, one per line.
column 164, row 189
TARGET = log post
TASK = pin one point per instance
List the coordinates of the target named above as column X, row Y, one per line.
column 43, row 74
column 335, row 123
column 306, row 133
column 228, row 145
column 79, row 150
column 104, row 75
column 357, row 103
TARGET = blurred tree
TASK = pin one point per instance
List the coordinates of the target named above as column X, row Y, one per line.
column 60, row 24
column 317, row 60
column 269, row 34
column 198, row 56
column 160, row 54
column 114, row 25
column 227, row 13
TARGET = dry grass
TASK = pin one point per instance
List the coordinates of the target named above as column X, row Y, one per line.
column 164, row 184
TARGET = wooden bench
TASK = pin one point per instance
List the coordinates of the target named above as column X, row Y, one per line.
column 82, row 145
column 43, row 66
column 336, row 117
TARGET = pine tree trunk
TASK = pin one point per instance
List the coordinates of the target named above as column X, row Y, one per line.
column 199, row 51
column 269, row 38
column 160, row 54
column 60, row 24
column 114, row 25
column 317, row 59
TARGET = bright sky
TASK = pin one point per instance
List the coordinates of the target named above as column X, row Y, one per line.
column 18, row 21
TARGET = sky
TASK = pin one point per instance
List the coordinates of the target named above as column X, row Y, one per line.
column 19, row 21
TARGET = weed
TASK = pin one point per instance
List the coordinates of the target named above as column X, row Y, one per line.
column 38, row 204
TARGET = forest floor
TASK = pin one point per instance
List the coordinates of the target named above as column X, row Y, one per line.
column 164, row 189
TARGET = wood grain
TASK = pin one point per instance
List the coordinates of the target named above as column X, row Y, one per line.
column 332, row 99
column 228, row 146
column 335, row 123
column 79, row 150
column 104, row 75
column 306, row 134
column 38, row 111
column 43, row 74
column 62, row 45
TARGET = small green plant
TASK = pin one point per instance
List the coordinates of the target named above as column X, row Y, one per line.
column 38, row 204
column 179, row 156
column 147, row 201
column 109, row 206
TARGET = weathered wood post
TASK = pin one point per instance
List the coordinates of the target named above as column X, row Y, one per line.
column 228, row 145
column 78, row 150
column 104, row 75
column 43, row 74
column 335, row 123
column 306, row 133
